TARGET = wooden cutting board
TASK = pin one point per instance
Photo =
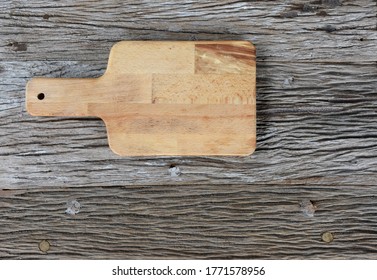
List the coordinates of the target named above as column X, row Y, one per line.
column 163, row 98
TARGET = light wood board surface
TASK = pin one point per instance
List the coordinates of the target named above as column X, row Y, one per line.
column 314, row 169
column 164, row 98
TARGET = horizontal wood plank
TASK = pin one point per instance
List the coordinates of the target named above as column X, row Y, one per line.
column 315, row 123
column 282, row 31
column 198, row 222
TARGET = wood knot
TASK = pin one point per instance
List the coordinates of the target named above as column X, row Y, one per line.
column 73, row 207
column 288, row 82
column 308, row 207
column 174, row 171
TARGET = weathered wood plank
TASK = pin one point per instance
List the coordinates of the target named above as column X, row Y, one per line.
column 282, row 30
column 203, row 221
column 316, row 124
column 316, row 109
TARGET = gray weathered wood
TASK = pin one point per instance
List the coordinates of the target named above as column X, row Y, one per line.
column 285, row 31
column 316, row 128
column 316, row 108
column 201, row 221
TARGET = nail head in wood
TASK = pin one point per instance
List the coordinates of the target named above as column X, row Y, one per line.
column 44, row 246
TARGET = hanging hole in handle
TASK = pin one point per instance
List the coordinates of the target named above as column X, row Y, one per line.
column 41, row 96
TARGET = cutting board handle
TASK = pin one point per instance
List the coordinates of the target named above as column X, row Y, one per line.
column 59, row 96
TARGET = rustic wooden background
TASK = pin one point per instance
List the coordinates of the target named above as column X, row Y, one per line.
column 314, row 170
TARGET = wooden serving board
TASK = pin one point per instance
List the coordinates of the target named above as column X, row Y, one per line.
column 164, row 98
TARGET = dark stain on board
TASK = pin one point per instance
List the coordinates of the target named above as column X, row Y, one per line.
column 322, row 13
column 332, row 3
column 329, row 28
column 305, row 8
column 314, row 6
column 289, row 14
column 17, row 47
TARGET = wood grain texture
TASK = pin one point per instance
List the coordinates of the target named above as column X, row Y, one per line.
column 151, row 74
column 317, row 128
column 316, row 135
column 198, row 222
